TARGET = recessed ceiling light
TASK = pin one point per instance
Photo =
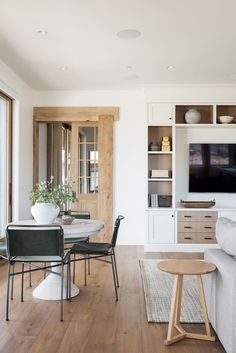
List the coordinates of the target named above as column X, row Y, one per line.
column 170, row 67
column 42, row 32
column 128, row 34
column 63, row 68
column 131, row 77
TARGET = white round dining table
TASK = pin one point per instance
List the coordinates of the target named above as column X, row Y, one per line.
column 50, row 287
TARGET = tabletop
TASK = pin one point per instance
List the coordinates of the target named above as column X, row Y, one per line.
column 186, row 267
column 78, row 228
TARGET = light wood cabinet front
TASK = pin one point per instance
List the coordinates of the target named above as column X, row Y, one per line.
column 197, row 227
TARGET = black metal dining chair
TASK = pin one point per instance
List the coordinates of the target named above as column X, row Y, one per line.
column 98, row 251
column 73, row 240
column 30, row 244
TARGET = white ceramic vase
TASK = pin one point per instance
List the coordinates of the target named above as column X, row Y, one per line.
column 192, row 116
column 44, row 213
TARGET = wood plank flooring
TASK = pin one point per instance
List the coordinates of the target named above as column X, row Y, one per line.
column 94, row 321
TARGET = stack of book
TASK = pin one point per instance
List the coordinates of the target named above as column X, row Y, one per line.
column 153, row 200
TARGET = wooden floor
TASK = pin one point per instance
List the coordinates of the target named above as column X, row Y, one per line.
column 94, row 322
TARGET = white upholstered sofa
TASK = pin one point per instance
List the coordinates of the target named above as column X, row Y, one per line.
column 220, row 286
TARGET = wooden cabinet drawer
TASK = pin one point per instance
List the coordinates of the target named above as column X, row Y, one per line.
column 195, row 227
column 203, row 216
column 197, row 238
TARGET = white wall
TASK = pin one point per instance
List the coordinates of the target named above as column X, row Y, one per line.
column 16, row 88
column 129, row 152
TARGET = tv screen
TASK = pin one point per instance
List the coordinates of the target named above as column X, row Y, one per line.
column 212, row 167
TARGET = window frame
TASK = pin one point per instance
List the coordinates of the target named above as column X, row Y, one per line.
column 9, row 150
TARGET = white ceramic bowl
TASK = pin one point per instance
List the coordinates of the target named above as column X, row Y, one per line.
column 225, row 119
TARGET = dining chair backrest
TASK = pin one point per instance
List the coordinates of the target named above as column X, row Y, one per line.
column 31, row 240
column 116, row 229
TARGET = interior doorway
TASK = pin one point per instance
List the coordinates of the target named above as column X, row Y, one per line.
column 79, row 149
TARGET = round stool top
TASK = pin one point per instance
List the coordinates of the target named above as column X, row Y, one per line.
column 186, row 267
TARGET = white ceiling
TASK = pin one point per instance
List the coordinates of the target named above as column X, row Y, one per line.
column 198, row 37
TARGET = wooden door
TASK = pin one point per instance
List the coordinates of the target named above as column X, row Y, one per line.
column 84, row 166
column 92, row 169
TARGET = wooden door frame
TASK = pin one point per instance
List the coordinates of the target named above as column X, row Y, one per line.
column 9, row 154
column 105, row 116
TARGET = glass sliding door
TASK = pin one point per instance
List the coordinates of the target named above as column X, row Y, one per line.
column 5, row 161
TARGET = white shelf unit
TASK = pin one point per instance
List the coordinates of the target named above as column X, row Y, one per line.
column 160, row 160
column 162, row 222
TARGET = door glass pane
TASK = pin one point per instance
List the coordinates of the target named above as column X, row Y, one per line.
column 54, row 152
column 88, row 159
column 86, row 134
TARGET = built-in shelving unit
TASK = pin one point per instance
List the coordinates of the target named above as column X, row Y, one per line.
column 163, row 222
column 160, row 161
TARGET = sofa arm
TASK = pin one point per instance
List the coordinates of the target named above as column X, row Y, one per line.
column 220, row 290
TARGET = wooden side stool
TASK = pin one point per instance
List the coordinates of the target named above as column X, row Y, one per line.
column 179, row 268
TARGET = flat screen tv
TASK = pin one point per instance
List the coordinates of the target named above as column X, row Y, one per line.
column 212, row 167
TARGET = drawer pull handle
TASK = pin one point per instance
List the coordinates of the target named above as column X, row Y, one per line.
column 187, row 216
column 187, row 227
column 208, row 238
column 208, row 216
column 207, row 227
column 187, row 238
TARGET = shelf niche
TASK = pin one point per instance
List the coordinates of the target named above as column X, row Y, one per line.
column 159, row 161
column 156, row 133
column 160, row 188
column 205, row 110
column 226, row 110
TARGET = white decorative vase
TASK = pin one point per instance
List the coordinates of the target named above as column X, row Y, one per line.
column 44, row 213
column 192, row 116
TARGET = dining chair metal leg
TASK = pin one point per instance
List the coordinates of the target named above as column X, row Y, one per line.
column 22, row 283
column 88, row 266
column 74, row 270
column 114, row 277
column 62, row 285
column 12, row 280
column 45, row 272
column 69, row 266
column 67, row 282
column 8, row 290
column 30, row 277
column 85, row 271
column 117, row 279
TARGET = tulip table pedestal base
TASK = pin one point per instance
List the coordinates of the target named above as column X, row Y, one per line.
column 50, row 287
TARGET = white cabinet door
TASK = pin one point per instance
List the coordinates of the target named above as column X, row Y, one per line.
column 228, row 214
column 160, row 114
column 161, row 227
